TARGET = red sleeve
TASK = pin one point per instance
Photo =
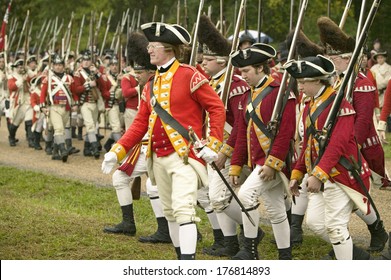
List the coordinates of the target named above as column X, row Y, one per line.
column 336, row 146
column 12, row 85
column 239, row 156
column 128, row 86
column 386, row 110
column 234, row 107
column 79, row 84
column 44, row 90
column 363, row 105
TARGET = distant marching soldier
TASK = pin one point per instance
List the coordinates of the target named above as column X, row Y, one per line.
column 112, row 95
column 4, row 94
column 87, row 78
column 20, row 108
column 38, row 117
column 131, row 94
column 57, row 98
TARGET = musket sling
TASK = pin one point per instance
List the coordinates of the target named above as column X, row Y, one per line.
column 252, row 114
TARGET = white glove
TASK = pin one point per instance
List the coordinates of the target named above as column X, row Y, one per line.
column 36, row 108
column 109, row 162
column 207, row 154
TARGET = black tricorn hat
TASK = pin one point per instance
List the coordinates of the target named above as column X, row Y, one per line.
column 304, row 46
column 58, row 59
column 256, row 54
column 18, row 62
column 172, row 34
column 335, row 40
column 137, row 52
column 312, row 67
column 214, row 43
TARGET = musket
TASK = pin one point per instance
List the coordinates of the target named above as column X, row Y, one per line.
column 162, row 18
column 39, row 35
column 260, row 12
column 133, row 23
column 278, row 110
column 57, row 32
column 345, row 14
column 26, row 47
column 221, row 17
column 138, row 20
column 23, row 29
column 328, row 8
column 350, row 86
column 53, row 40
column 235, row 43
column 12, row 33
column 178, row 12
column 291, row 15
column 235, row 10
column 90, row 32
column 107, row 31
column 115, row 36
column 123, row 22
column 80, row 33
column 68, row 34
column 210, row 11
column 186, row 24
column 44, row 35
column 194, row 138
column 153, row 15
column 97, row 29
column 194, row 46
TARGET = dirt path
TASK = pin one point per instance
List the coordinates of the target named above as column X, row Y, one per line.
column 87, row 169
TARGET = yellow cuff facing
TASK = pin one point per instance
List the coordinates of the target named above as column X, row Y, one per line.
column 235, row 170
column 320, row 174
column 214, row 144
column 119, row 150
column 297, row 175
column 274, row 163
column 227, row 150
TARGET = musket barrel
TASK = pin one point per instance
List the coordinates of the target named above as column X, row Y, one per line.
column 345, row 14
column 195, row 39
column 277, row 106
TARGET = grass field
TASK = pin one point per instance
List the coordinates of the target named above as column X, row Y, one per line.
column 45, row 217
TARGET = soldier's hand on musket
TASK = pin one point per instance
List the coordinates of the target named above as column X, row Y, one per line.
column 45, row 110
column 294, row 187
column 109, row 162
column 220, row 162
column 93, row 69
column 313, row 184
column 75, row 108
column 267, row 173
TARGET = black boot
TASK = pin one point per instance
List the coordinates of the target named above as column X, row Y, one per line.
column 285, row 254
column 37, row 139
column 127, row 226
column 217, row 244
column 71, row 150
column 55, row 152
column 95, row 150
column 80, row 133
column 178, row 252
column 108, row 144
column 162, row 235
column 87, row 149
column 360, row 254
column 379, row 236
column 63, row 152
column 249, row 251
column 29, row 133
column 49, row 147
column 187, row 256
column 73, row 131
column 230, row 249
column 12, row 133
column 296, row 230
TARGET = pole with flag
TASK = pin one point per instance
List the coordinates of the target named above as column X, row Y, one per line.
column 4, row 26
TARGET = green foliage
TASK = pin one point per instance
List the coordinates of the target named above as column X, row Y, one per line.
column 45, row 217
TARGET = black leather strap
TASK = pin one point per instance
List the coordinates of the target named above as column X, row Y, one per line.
column 253, row 114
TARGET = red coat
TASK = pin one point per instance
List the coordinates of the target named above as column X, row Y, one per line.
column 190, row 95
column 129, row 91
column 341, row 143
column 281, row 142
column 60, row 97
column 386, row 110
column 80, row 81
